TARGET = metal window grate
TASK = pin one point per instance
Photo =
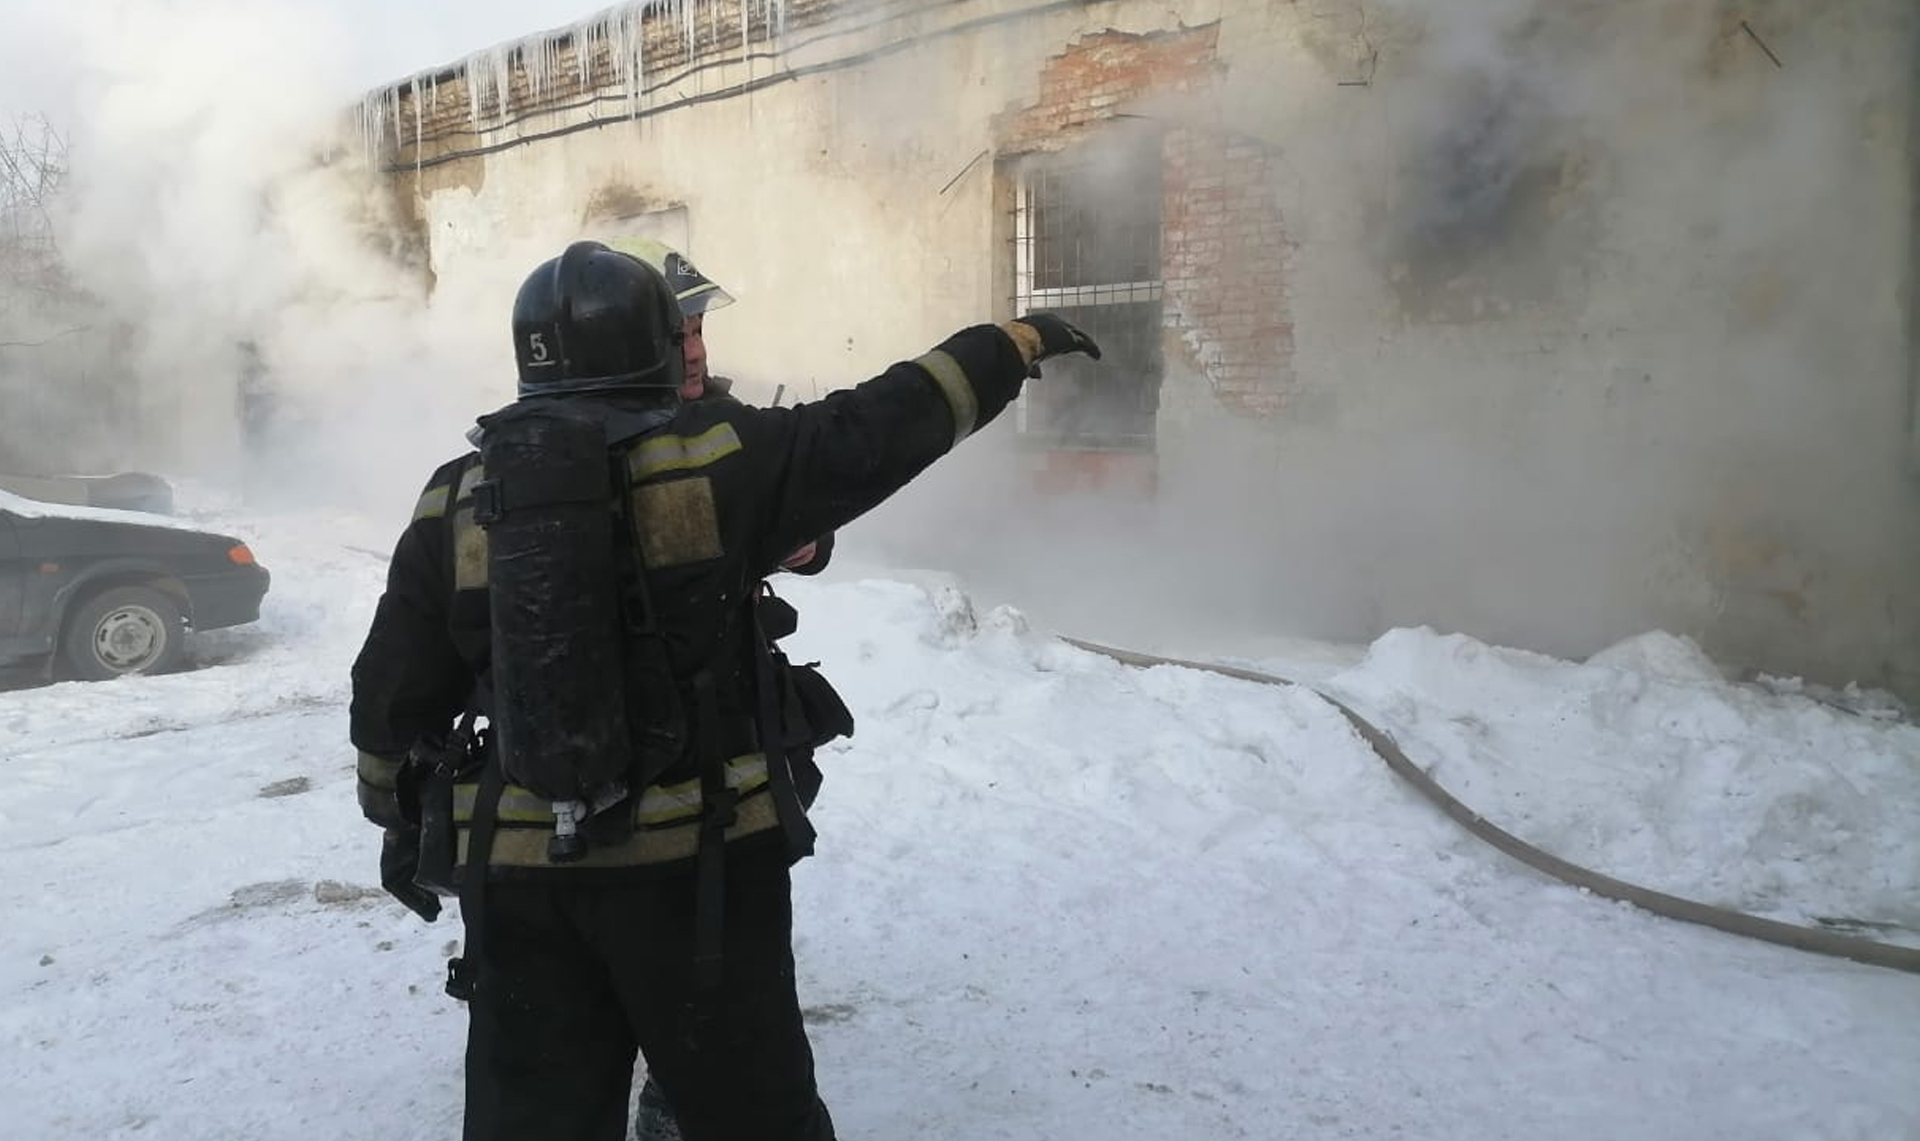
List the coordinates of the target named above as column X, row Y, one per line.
column 1087, row 246
column 1111, row 403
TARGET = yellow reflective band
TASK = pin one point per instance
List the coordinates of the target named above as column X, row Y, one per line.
column 469, row 552
column 659, row 805
column 959, row 391
column 378, row 771
column 473, row 475
column 432, row 503
column 517, row 806
column 527, row 847
column 660, row 454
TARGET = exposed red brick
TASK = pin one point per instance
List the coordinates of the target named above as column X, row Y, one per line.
column 1098, row 75
column 1224, row 245
column 1226, row 284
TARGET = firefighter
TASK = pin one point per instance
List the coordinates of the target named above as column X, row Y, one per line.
column 697, row 295
column 669, row 931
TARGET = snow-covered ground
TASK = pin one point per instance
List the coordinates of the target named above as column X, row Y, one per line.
column 1055, row 897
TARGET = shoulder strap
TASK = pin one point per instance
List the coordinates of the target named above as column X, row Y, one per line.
column 661, row 738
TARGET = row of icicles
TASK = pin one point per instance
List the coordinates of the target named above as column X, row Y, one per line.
column 489, row 72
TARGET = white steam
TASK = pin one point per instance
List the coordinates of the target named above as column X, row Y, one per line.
column 249, row 309
column 1592, row 306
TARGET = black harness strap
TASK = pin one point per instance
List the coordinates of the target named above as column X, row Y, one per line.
column 463, row 971
column 660, row 739
column 718, row 804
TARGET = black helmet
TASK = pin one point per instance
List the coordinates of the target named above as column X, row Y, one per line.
column 595, row 320
column 693, row 289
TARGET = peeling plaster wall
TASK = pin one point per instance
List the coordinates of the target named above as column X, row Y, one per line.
column 1579, row 318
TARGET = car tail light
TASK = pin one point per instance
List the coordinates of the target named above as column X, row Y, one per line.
column 240, row 554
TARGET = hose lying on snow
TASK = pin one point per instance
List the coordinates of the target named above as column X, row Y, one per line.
column 1673, row 907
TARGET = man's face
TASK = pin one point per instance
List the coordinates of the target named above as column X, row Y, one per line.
column 694, row 347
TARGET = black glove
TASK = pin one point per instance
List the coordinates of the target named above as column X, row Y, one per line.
column 399, row 860
column 1056, row 338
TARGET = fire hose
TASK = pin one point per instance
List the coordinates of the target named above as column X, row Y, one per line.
column 1813, row 939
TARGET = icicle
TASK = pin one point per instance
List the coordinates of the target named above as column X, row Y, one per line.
column 414, row 86
column 488, row 77
column 500, row 62
column 626, row 45
column 472, row 70
column 393, row 113
column 368, row 150
column 536, row 60
column 582, row 32
column 601, row 27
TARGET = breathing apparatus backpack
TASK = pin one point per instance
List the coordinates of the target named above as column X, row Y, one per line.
column 584, row 708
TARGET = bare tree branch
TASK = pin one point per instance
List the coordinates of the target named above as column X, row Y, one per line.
column 33, row 169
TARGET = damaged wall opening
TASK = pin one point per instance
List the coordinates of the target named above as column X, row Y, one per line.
column 1086, row 244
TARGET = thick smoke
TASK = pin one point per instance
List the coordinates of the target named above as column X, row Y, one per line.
column 239, row 303
column 1588, row 301
column 1594, row 309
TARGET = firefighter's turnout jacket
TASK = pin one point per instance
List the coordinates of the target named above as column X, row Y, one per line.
column 719, row 389
column 720, row 495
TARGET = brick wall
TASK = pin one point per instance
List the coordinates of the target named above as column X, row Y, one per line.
column 1098, row 76
column 1224, row 243
column 1225, row 248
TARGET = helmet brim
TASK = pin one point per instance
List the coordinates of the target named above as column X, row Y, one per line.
column 701, row 298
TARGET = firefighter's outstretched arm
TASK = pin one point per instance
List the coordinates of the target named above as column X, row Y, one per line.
column 856, row 447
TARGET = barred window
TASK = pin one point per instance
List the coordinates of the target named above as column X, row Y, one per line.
column 1086, row 237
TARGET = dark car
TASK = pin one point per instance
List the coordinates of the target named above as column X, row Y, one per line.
column 107, row 593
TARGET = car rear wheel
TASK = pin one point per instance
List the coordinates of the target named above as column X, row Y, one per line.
column 128, row 629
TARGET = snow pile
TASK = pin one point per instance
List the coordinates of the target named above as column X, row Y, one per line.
column 1646, row 764
column 1055, row 897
